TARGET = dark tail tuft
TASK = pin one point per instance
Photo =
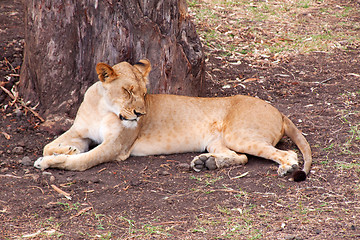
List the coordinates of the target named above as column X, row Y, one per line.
column 299, row 176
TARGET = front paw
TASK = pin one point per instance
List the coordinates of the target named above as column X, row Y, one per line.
column 61, row 149
column 53, row 161
column 41, row 163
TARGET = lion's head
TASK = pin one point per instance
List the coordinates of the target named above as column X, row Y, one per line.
column 125, row 89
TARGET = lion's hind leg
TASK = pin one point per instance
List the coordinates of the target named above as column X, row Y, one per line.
column 218, row 156
column 287, row 160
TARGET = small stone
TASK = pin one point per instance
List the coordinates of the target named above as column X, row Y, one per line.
column 164, row 173
column 18, row 150
column 135, row 182
column 35, row 177
column 18, row 113
column 290, row 237
column 52, row 179
column 353, row 227
column 4, row 169
column 21, row 143
column 184, row 166
column 46, row 173
column 26, row 161
column 283, row 92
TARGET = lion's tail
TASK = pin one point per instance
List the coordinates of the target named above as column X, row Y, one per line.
column 296, row 136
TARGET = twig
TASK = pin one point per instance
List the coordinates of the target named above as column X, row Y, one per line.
column 226, row 190
column 14, row 98
column 22, row 104
column 32, row 235
column 11, row 66
column 9, row 175
column 3, row 210
column 353, row 74
column 14, row 75
column 326, row 80
column 7, row 136
column 84, row 210
column 38, row 188
column 240, row 176
column 289, row 72
column 65, row 194
column 33, row 112
column 143, row 171
column 169, row 222
column 232, row 168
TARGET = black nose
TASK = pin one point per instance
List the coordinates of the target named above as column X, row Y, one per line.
column 138, row 114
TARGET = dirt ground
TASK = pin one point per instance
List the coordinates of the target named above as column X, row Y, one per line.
column 157, row 197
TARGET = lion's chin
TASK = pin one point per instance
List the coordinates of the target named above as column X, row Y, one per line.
column 129, row 123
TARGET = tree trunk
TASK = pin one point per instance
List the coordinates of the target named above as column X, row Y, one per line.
column 65, row 39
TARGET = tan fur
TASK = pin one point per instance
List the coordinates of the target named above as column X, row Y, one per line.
column 124, row 121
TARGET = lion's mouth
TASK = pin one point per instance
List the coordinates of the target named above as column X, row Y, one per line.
column 122, row 118
column 135, row 118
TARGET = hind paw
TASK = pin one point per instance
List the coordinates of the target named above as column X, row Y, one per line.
column 203, row 161
column 284, row 170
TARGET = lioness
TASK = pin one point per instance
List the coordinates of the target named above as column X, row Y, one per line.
column 118, row 115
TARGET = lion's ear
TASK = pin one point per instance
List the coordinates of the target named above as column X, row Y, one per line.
column 144, row 66
column 105, row 72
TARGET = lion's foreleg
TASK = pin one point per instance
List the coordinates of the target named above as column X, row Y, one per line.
column 117, row 144
column 79, row 162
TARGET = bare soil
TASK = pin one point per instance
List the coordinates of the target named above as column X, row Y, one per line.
column 157, row 197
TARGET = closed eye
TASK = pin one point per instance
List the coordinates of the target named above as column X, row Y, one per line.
column 129, row 93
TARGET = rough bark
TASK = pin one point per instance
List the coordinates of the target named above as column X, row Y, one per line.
column 65, row 39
